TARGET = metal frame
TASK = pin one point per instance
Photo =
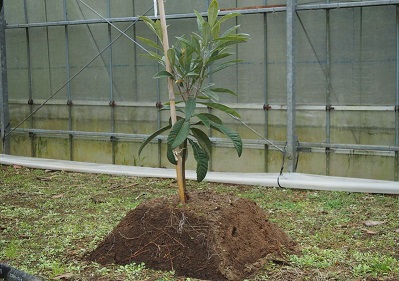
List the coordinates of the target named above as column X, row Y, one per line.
column 272, row 9
column 4, row 111
column 292, row 146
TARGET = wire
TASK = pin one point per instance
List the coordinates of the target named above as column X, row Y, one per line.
column 114, row 26
column 269, row 142
column 73, row 77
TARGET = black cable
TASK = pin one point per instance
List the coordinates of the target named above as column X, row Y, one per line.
column 297, row 156
column 282, row 166
column 12, row 274
column 4, row 269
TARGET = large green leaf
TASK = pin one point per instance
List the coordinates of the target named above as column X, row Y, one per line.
column 222, row 107
column 171, row 156
column 190, row 108
column 206, row 119
column 203, row 140
column 151, row 137
column 213, row 13
column 231, row 134
column 202, row 160
column 178, row 134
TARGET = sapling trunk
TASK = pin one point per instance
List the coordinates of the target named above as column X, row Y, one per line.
column 180, row 169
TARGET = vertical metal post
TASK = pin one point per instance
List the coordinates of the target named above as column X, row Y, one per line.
column 68, row 85
column 111, row 85
column 291, row 150
column 30, row 99
column 4, row 111
column 136, row 77
column 396, row 168
column 328, row 92
column 265, row 94
column 159, row 120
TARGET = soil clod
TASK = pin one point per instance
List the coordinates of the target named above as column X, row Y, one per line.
column 214, row 237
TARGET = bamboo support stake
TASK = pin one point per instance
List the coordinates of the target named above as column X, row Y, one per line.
column 165, row 42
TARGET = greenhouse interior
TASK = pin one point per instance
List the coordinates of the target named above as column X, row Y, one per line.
column 317, row 84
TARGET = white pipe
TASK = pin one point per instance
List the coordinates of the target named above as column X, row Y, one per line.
column 290, row 180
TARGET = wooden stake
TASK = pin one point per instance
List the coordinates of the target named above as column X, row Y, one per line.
column 180, row 171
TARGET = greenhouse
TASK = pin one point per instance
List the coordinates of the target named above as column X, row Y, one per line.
column 317, row 84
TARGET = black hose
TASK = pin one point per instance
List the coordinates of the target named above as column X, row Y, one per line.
column 12, row 274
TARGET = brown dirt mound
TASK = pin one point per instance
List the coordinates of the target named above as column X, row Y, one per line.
column 213, row 237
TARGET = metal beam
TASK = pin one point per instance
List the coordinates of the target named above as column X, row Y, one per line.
column 291, row 149
column 267, row 9
column 5, row 115
column 396, row 167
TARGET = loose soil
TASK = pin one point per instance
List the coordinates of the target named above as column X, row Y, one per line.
column 214, row 237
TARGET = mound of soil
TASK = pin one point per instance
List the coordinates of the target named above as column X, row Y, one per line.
column 212, row 237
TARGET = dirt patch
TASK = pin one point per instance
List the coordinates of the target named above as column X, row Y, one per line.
column 214, row 237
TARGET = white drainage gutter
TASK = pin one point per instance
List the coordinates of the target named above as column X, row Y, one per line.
column 289, row 180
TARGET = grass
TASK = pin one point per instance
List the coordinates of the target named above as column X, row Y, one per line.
column 51, row 219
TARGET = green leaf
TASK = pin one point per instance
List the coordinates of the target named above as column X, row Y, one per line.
column 213, row 13
column 240, row 37
column 230, row 31
column 171, row 57
column 206, row 119
column 222, row 107
column 223, row 90
column 231, row 134
column 154, row 26
column 178, row 134
column 151, row 43
column 223, row 66
column 163, row 74
column 228, row 16
column 216, row 56
column 216, row 30
column 232, row 39
column 151, row 137
column 200, row 20
column 203, row 140
column 190, row 108
column 189, row 44
column 192, row 75
column 171, row 156
column 210, row 95
column 202, row 160
column 154, row 56
column 206, row 33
